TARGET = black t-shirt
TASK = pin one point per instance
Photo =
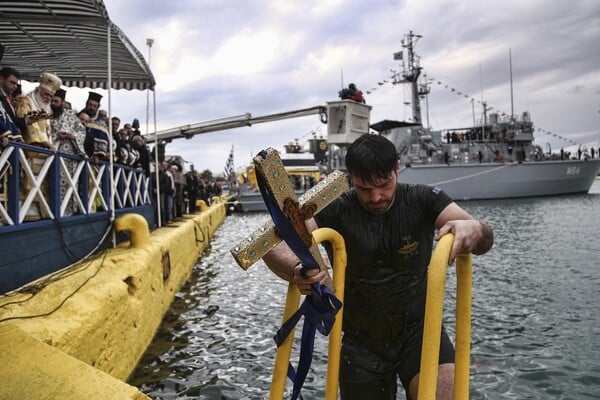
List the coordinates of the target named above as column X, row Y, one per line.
column 388, row 256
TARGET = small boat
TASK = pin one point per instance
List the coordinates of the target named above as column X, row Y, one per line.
column 492, row 160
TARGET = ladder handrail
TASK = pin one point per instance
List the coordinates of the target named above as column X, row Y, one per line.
column 292, row 303
column 436, row 281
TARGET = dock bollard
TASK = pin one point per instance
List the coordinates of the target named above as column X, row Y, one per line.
column 137, row 226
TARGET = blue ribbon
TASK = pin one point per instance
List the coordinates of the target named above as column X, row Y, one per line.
column 318, row 309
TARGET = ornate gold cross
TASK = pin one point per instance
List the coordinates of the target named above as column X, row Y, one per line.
column 271, row 168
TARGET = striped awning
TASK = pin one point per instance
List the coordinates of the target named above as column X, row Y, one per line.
column 70, row 38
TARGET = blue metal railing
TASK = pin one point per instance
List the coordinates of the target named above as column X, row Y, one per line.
column 31, row 179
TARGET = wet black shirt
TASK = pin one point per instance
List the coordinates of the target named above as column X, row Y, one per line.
column 388, row 255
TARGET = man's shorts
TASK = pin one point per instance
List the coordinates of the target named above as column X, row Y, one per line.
column 369, row 371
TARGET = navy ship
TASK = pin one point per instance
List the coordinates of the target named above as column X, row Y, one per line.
column 495, row 159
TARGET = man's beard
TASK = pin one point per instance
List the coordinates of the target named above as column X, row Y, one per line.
column 40, row 103
column 379, row 208
column 90, row 113
column 56, row 111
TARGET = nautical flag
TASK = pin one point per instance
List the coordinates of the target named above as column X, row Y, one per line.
column 228, row 171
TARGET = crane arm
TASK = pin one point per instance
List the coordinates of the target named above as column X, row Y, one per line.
column 188, row 131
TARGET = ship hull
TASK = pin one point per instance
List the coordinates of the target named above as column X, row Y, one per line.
column 510, row 180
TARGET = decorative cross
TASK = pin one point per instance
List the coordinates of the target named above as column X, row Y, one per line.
column 265, row 238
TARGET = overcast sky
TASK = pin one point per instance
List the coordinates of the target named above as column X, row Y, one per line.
column 220, row 58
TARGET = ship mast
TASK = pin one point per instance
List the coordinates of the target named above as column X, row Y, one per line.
column 512, row 108
column 411, row 70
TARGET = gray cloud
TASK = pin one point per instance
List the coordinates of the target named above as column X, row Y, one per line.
column 464, row 45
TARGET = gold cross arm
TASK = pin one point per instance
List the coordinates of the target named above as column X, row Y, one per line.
column 265, row 238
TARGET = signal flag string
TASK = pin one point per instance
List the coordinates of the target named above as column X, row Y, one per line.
column 471, row 98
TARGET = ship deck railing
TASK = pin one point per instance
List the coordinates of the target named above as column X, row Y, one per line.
column 30, row 185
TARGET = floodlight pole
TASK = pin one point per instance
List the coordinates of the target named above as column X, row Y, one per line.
column 149, row 43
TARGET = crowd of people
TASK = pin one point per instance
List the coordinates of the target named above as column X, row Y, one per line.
column 44, row 118
column 180, row 191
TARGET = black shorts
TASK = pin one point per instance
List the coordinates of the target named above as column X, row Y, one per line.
column 370, row 371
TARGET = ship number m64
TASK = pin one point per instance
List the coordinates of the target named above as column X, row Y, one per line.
column 574, row 170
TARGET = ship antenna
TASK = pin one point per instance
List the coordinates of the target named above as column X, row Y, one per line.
column 484, row 116
column 512, row 110
column 411, row 70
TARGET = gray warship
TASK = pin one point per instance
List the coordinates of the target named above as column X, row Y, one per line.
column 494, row 160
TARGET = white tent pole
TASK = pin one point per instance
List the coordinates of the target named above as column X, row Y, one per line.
column 156, row 150
column 110, row 133
column 150, row 42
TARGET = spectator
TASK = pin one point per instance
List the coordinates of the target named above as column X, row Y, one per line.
column 83, row 118
column 143, row 160
column 159, row 148
column 68, row 133
column 179, row 180
column 115, row 122
column 123, row 153
column 135, row 125
column 97, row 141
column 191, row 180
column 103, row 117
column 92, row 105
column 9, row 80
column 170, row 191
column 164, row 184
column 8, row 128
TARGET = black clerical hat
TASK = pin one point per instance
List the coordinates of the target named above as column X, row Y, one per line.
column 95, row 96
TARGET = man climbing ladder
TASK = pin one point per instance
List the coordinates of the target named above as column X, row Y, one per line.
column 389, row 230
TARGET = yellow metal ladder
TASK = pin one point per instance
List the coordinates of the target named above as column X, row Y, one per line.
column 436, row 281
column 292, row 303
column 432, row 327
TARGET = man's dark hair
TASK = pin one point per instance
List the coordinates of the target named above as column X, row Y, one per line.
column 5, row 72
column 370, row 157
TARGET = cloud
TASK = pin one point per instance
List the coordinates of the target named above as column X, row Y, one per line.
column 223, row 58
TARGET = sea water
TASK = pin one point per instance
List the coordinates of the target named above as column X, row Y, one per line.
column 535, row 319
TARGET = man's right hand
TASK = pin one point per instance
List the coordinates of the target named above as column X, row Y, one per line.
column 304, row 283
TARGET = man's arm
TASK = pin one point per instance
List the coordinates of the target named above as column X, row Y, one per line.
column 286, row 265
column 282, row 261
column 470, row 235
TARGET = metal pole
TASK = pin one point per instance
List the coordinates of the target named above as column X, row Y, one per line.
column 512, row 109
column 110, row 136
column 150, row 42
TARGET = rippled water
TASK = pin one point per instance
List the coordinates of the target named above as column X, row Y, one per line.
column 535, row 330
